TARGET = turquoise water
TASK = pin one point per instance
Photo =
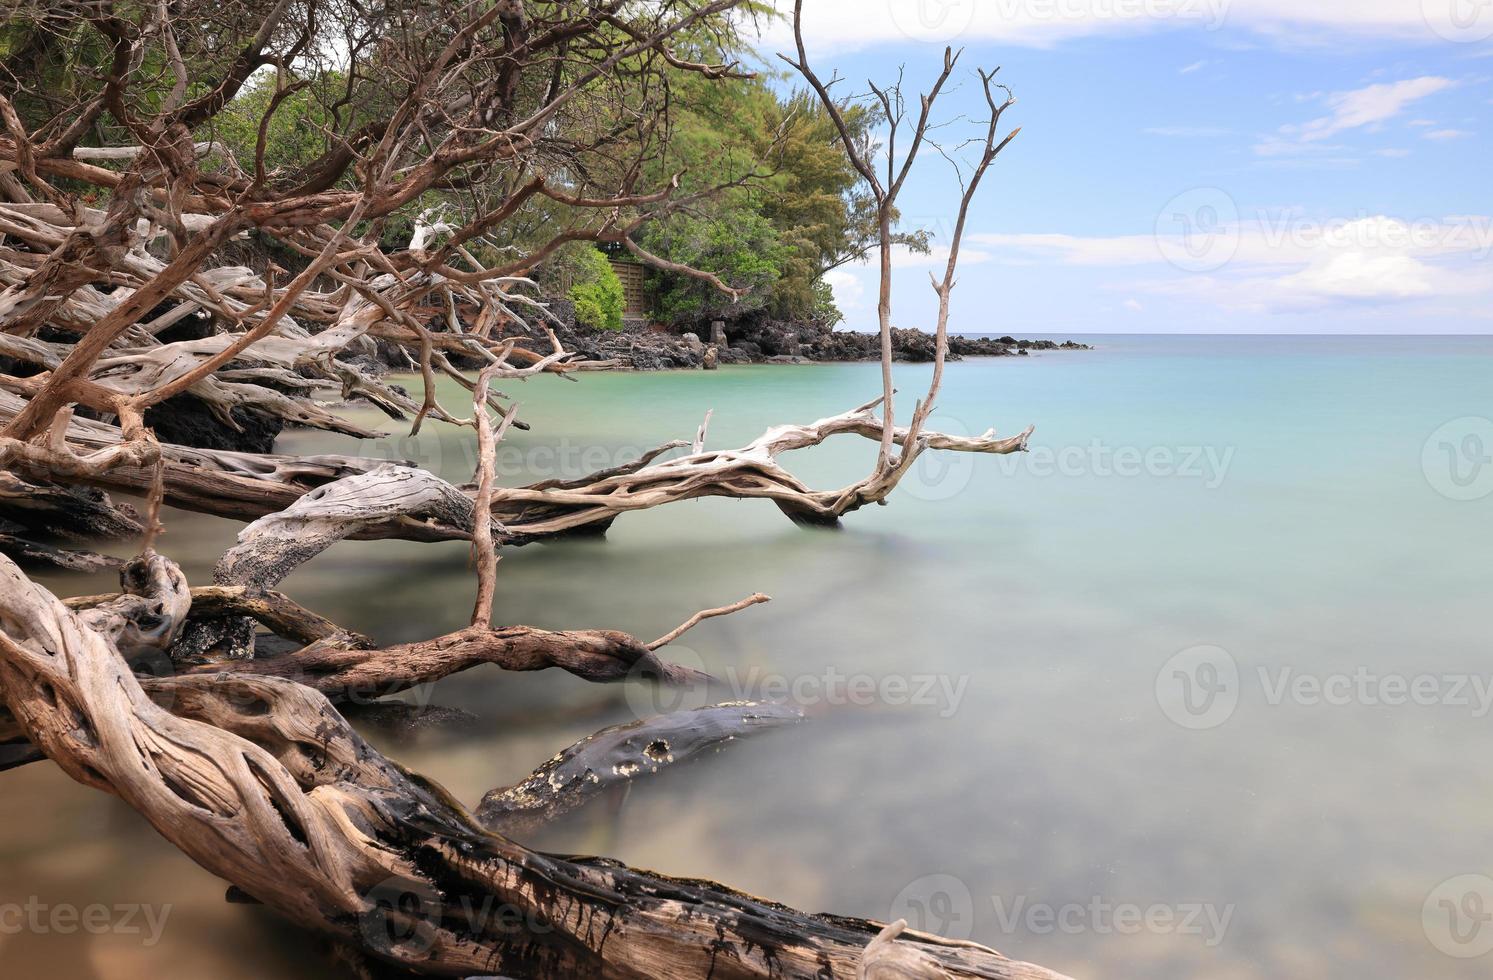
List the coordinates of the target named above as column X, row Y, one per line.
column 1025, row 769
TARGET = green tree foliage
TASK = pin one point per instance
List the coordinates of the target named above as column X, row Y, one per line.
column 740, row 246
column 794, row 207
column 791, row 209
column 295, row 134
column 593, row 286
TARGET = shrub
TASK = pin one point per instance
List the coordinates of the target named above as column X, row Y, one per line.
column 595, row 290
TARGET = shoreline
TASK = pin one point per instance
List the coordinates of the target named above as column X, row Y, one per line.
column 644, row 349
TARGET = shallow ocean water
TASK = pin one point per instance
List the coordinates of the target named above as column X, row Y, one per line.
column 1003, row 741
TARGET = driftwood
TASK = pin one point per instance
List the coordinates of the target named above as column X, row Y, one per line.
column 615, row 756
column 68, row 559
column 263, row 783
column 168, row 697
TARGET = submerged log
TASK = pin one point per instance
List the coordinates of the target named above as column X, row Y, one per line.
column 615, row 756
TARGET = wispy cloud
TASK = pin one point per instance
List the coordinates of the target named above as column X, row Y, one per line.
column 1279, row 262
column 1364, row 108
column 1447, row 134
column 839, row 25
column 1195, row 66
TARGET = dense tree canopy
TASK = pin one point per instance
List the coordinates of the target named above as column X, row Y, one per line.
column 769, row 203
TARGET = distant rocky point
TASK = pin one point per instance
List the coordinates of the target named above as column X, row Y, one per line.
column 776, row 342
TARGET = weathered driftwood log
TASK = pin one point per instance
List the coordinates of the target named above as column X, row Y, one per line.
column 615, row 756
column 245, row 485
column 41, row 509
column 262, row 783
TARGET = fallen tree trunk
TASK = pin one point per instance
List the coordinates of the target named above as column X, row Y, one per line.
column 247, row 485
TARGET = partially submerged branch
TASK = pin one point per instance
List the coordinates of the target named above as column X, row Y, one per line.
column 615, row 756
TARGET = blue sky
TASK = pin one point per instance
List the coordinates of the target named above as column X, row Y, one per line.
column 1198, row 166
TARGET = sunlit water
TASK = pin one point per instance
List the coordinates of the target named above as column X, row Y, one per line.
column 1001, row 743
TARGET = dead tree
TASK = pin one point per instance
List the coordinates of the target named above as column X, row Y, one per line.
column 123, row 218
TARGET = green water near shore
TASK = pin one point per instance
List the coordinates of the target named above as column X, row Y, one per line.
column 1000, row 633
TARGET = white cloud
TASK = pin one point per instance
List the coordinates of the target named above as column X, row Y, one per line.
column 1283, row 261
column 848, row 289
column 1447, row 134
column 1361, row 275
column 937, row 257
column 1195, row 66
column 838, row 25
column 1392, row 151
column 1365, row 107
column 1134, row 305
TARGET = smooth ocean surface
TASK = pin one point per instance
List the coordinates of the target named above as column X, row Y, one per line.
column 1003, row 742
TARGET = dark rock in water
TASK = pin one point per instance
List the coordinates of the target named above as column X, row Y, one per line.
column 730, row 355
column 769, row 339
column 757, row 340
column 372, row 365
column 187, row 421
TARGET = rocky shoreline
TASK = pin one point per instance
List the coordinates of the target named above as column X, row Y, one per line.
column 772, row 342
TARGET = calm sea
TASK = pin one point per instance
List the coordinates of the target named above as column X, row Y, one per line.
column 1200, row 687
